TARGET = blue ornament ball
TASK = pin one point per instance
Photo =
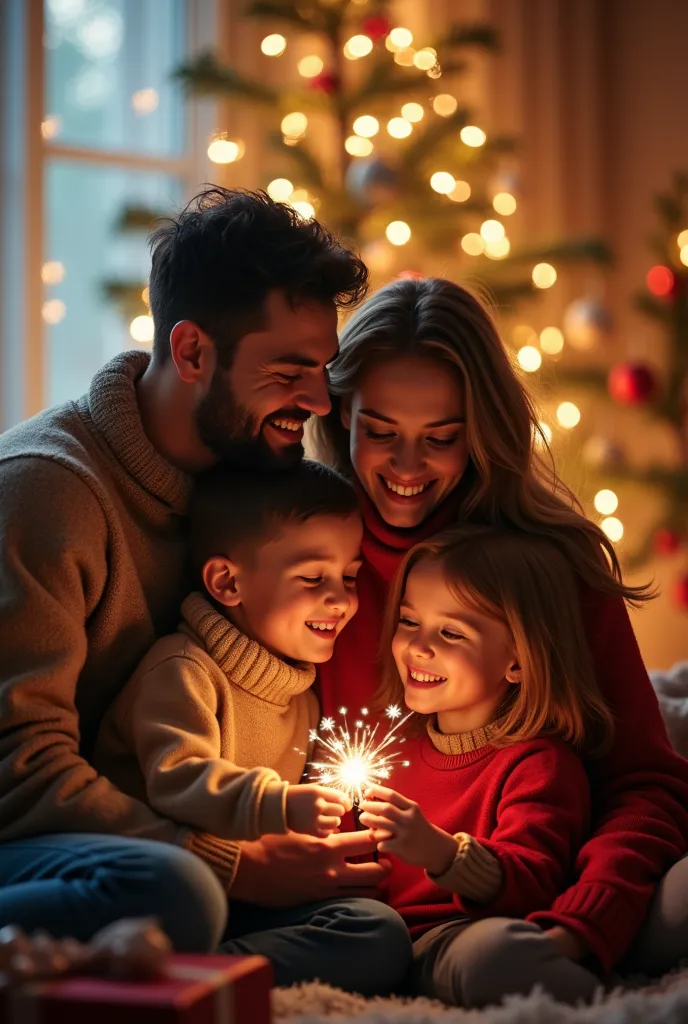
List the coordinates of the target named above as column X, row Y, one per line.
column 371, row 181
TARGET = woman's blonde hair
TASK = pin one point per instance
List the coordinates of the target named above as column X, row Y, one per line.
column 507, row 482
column 527, row 583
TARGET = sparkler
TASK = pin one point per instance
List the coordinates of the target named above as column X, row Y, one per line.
column 354, row 760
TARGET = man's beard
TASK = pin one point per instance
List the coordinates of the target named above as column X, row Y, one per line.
column 234, row 435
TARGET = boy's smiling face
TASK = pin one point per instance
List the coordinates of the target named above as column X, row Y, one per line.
column 295, row 593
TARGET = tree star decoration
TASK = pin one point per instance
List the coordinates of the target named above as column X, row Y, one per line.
column 354, row 760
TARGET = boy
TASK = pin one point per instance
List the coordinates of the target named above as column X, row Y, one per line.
column 213, row 727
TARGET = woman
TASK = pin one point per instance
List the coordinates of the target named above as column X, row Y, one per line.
column 431, row 421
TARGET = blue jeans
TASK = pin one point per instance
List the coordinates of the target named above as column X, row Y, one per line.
column 356, row 944
column 74, row 884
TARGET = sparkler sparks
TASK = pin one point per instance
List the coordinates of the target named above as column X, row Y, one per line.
column 352, row 761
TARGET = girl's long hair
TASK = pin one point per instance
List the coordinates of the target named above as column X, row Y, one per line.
column 507, row 481
column 527, row 583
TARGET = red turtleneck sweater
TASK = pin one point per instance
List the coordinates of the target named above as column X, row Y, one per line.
column 639, row 789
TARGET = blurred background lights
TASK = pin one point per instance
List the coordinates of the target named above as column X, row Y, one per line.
column 399, row 39
column 52, row 272
column 606, row 502
column 356, row 146
column 53, row 311
column 294, row 124
column 504, row 203
column 399, row 127
column 444, row 104
column 398, row 232
column 568, row 415
column 551, row 341
column 544, row 431
column 499, row 249
column 225, row 151
column 304, row 209
column 280, row 189
column 358, row 46
column 461, row 192
column 473, row 244
column 529, row 358
column 366, row 126
column 443, row 182
column 425, row 58
column 144, row 101
column 660, row 280
column 273, row 45
column 682, row 239
column 310, row 66
column 544, row 275
column 613, row 527
column 683, row 255
column 492, row 230
column 412, row 112
column 473, row 136
column 141, row 329
column 405, row 57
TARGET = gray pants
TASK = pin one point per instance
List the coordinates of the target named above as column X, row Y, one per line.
column 475, row 964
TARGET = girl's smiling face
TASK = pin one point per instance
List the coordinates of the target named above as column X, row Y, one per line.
column 453, row 661
column 407, row 423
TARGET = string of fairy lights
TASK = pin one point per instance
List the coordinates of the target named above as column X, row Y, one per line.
column 490, row 239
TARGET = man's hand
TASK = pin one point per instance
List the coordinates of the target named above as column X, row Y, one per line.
column 283, row 871
column 315, row 810
column 567, row 943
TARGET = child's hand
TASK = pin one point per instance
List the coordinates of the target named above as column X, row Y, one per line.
column 315, row 810
column 400, row 827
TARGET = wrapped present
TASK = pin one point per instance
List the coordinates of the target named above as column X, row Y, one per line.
column 195, row 989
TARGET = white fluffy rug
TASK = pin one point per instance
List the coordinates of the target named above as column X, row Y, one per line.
column 663, row 1002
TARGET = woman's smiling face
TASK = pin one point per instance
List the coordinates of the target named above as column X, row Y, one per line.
column 407, row 422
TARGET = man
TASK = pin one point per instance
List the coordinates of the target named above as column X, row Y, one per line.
column 244, row 296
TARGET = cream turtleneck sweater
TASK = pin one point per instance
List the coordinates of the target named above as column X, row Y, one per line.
column 211, row 728
column 91, row 574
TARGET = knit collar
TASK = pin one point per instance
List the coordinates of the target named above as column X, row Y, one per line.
column 245, row 662
column 384, row 546
column 114, row 409
column 459, row 742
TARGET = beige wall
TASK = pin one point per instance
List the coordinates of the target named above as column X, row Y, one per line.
column 598, row 90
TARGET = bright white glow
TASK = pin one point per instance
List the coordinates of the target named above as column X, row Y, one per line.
column 294, row 124
column 141, row 328
column 498, row 250
column 613, row 527
column 145, row 101
column 443, row 182
column 356, row 146
column 473, row 244
column 425, row 58
column 52, row 272
column 492, row 230
column 551, row 341
column 529, row 358
column 461, row 192
column 544, row 275
column 273, row 45
column 398, row 232
column 280, row 189
column 366, row 126
column 399, row 127
column 53, row 311
column 399, row 38
column 504, row 203
column 358, row 46
column 310, row 66
column 568, row 415
column 473, row 136
column 412, row 112
column 304, row 209
column 225, row 151
column 606, row 502
column 444, row 104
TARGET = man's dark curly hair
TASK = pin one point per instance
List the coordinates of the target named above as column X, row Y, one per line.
column 215, row 263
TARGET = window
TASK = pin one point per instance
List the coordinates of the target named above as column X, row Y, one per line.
column 92, row 122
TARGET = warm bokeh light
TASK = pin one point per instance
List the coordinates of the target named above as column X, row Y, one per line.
column 366, row 126
column 529, row 358
column 225, row 151
column 273, row 45
column 399, row 39
column 551, row 341
column 473, row 244
column 660, row 280
column 499, row 249
column 444, row 104
column 682, row 239
column 504, row 203
column 310, row 66
column 299, row 195
column 568, row 415
column 280, row 189
column 405, row 57
column 294, row 124
column 613, row 527
column 545, row 430
column 144, row 101
column 355, row 145
column 53, row 311
column 473, row 136
column 683, row 255
column 141, row 329
column 492, row 230
column 425, row 58
column 398, row 232
column 524, row 334
column 606, row 502
column 358, row 46
column 145, row 295
column 461, row 192
column 399, row 127
column 544, row 275
column 434, row 72
column 50, row 126
column 412, row 112
column 52, row 272
column 304, row 209
column 443, row 182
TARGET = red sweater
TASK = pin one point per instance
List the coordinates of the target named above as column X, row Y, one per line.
column 639, row 789
column 528, row 804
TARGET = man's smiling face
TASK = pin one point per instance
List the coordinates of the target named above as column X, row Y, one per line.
column 254, row 413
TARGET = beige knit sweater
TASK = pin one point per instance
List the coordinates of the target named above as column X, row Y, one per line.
column 91, row 574
column 206, row 708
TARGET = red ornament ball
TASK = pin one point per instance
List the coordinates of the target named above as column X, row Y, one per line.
column 326, row 82
column 681, row 592
column 666, row 542
column 631, row 383
column 660, row 280
column 376, row 26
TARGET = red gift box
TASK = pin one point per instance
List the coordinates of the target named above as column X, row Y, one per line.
column 195, row 990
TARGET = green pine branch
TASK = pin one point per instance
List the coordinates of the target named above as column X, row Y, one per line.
column 480, row 35
column 138, row 218
column 205, row 76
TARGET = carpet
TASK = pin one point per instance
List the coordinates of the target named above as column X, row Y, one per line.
column 662, row 1002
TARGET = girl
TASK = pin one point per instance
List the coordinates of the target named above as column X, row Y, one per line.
column 487, row 647
column 431, row 421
